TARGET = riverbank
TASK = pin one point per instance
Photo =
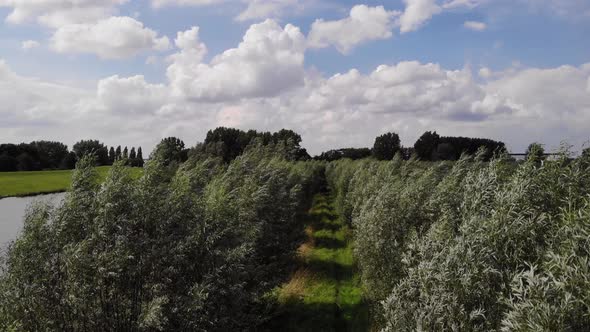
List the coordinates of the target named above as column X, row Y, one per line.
column 324, row 294
column 23, row 184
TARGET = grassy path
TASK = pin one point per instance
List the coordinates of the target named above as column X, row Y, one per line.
column 324, row 294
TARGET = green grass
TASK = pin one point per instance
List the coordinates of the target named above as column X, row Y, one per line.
column 324, row 294
column 42, row 182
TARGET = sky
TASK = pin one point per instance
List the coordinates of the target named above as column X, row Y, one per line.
column 340, row 73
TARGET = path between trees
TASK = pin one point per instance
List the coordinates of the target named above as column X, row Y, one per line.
column 324, row 294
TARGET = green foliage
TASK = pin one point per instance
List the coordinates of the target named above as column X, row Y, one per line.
column 229, row 143
column 431, row 146
column 472, row 245
column 170, row 151
column 88, row 147
column 112, row 155
column 32, row 156
column 351, row 153
column 535, row 152
column 50, row 154
column 426, row 145
column 386, row 146
column 189, row 248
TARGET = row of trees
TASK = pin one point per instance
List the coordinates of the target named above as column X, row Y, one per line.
column 230, row 143
column 432, row 147
column 192, row 246
column 105, row 156
column 471, row 245
column 46, row 155
column 350, row 153
column 429, row 147
column 35, row 156
column 227, row 143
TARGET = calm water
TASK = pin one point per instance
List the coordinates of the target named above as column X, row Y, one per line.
column 12, row 212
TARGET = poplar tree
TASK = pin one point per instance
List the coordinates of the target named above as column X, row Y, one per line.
column 112, row 155
column 132, row 157
column 139, row 157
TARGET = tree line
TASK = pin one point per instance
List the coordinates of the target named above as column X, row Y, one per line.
column 49, row 155
column 429, row 147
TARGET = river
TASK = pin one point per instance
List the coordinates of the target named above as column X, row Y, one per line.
column 12, row 212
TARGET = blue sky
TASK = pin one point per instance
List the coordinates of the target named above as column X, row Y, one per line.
column 517, row 72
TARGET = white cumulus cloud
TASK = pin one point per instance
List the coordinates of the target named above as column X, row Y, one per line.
column 56, row 13
column 131, row 94
column 417, row 13
column 164, row 3
column 261, row 9
column 475, row 26
column 111, row 38
column 364, row 24
column 30, row 44
column 267, row 62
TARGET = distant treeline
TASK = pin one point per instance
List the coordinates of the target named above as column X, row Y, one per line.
column 47, row 155
column 229, row 143
column 429, row 147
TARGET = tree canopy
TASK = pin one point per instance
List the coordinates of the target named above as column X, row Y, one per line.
column 386, row 146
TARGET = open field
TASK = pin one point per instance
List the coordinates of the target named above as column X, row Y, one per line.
column 41, row 182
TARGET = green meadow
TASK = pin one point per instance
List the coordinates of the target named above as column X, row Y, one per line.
column 41, row 182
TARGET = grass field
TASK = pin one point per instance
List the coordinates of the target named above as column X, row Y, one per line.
column 42, row 182
column 324, row 294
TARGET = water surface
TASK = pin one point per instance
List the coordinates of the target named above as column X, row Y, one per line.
column 12, row 212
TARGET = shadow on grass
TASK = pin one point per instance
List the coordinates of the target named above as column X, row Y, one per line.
column 299, row 316
column 324, row 295
column 329, row 242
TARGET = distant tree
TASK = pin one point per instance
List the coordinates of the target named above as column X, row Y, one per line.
column 8, row 163
column 50, row 154
column 407, row 153
column 445, row 151
column 132, row 157
column 86, row 147
column 25, row 162
column 69, row 161
column 230, row 143
column 286, row 135
column 118, row 153
column 426, row 145
column 386, row 146
column 455, row 146
column 234, row 141
column 112, row 155
column 139, row 157
column 169, row 150
column 125, row 153
column 293, row 140
column 535, row 152
column 9, row 150
column 350, row 153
